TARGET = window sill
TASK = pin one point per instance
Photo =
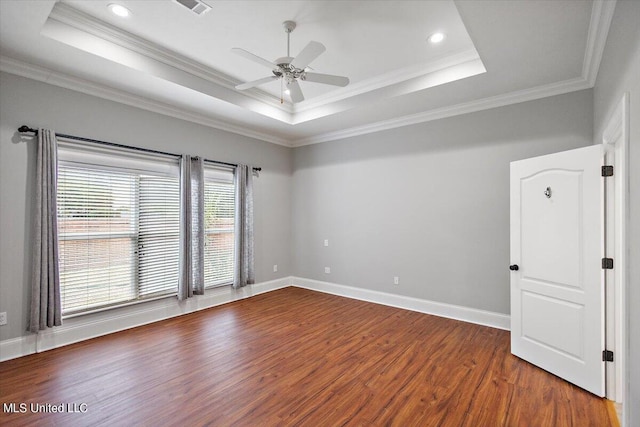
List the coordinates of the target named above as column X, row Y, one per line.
column 115, row 306
column 135, row 302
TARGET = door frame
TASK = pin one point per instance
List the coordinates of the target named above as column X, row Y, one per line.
column 615, row 139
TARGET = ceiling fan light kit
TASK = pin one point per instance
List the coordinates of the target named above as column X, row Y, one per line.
column 289, row 70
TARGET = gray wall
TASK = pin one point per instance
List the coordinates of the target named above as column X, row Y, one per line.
column 428, row 203
column 620, row 73
column 37, row 104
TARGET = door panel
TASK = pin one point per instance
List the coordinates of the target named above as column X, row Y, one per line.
column 553, row 223
column 557, row 294
column 543, row 330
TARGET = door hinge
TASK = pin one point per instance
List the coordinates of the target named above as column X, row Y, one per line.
column 607, row 170
column 607, row 263
column 607, row 356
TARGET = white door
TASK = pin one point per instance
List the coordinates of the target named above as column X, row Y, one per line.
column 557, row 289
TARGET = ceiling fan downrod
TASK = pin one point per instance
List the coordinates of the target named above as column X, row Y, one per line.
column 289, row 26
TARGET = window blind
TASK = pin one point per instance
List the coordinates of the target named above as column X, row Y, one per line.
column 158, row 235
column 97, row 239
column 118, row 227
column 219, row 211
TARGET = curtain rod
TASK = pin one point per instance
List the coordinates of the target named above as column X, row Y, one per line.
column 27, row 129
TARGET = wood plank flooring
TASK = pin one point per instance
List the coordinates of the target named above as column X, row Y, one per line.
column 296, row 357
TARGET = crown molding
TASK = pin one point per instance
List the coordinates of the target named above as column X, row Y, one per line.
column 601, row 17
column 81, row 21
column 45, row 75
column 388, row 79
column 438, row 77
column 516, row 97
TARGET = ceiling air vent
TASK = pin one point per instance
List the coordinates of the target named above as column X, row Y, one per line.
column 196, row 6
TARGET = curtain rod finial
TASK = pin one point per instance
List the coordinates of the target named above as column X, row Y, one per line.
column 25, row 128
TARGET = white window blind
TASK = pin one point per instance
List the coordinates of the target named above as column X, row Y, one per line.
column 219, row 226
column 158, row 235
column 118, row 226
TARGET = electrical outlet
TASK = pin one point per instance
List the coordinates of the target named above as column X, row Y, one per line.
column 3, row 318
column 327, row 270
column 396, row 280
column 326, row 242
column 275, row 267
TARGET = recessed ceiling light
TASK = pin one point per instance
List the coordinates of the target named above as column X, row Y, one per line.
column 287, row 91
column 119, row 10
column 436, row 37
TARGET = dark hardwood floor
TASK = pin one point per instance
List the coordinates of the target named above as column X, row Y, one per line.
column 296, row 357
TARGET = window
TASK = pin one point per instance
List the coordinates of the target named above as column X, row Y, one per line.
column 118, row 226
column 219, row 226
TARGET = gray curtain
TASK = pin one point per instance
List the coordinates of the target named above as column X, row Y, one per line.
column 191, row 279
column 46, row 307
column 244, row 273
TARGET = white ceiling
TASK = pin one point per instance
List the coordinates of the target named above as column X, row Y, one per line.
column 167, row 59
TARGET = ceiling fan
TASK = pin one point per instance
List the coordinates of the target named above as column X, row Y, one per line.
column 289, row 70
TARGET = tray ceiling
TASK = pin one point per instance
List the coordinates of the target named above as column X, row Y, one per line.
column 181, row 63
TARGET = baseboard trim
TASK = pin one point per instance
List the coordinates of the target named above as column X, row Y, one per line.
column 17, row 347
column 465, row 314
column 94, row 325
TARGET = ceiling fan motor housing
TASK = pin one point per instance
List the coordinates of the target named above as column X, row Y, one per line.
column 286, row 70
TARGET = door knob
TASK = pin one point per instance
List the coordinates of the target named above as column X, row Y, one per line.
column 514, row 267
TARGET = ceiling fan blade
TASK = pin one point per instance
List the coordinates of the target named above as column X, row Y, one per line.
column 326, row 79
column 295, row 91
column 308, row 54
column 255, row 83
column 251, row 57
